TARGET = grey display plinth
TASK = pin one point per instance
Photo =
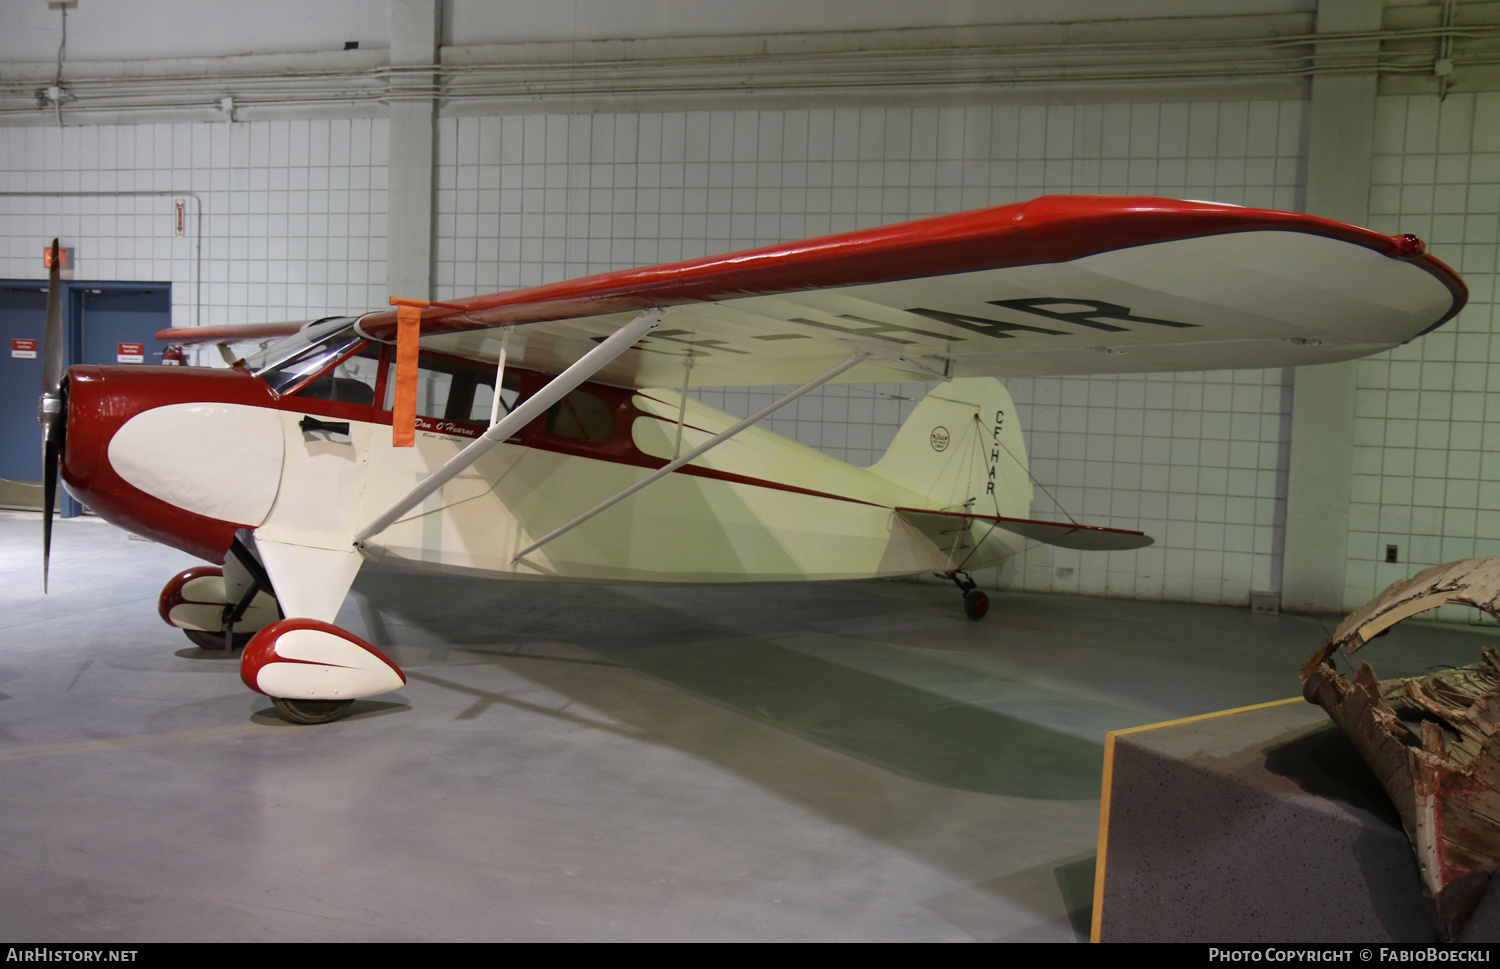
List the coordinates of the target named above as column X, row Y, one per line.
column 1255, row 825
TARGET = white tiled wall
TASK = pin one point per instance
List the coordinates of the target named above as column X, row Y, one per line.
column 293, row 212
column 1427, row 442
column 1197, row 460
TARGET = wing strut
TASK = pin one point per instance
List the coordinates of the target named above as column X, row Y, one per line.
column 557, row 388
column 500, row 376
column 712, row 442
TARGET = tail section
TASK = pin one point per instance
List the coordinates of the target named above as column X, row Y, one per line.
column 962, row 449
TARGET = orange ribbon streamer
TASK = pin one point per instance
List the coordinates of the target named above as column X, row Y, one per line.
column 408, row 333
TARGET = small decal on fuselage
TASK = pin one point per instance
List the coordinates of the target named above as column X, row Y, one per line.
column 939, row 438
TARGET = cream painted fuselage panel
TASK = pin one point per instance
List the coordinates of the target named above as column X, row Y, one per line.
column 686, row 528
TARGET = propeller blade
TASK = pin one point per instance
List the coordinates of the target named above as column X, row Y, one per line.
column 49, row 499
column 51, row 411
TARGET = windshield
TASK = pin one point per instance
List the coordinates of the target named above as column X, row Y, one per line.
column 283, row 350
column 291, row 362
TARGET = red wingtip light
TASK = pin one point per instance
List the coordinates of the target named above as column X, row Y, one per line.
column 1409, row 246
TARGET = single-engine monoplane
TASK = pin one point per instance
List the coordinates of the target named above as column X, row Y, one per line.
column 549, row 433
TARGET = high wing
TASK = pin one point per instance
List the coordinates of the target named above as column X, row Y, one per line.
column 1058, row 285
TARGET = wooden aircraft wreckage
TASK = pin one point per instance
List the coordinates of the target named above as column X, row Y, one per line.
column 1433, row 741
column 533, row 434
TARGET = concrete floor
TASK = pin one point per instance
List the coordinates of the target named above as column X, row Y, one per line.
column 852, row 761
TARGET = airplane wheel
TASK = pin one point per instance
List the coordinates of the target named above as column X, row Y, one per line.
column 204, row 639
column 193, row 601
column 311, row 711
column 976, row 604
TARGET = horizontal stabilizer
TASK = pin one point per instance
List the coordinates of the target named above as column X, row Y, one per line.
column 1088, row 538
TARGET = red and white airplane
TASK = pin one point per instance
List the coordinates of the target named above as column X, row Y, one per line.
column 380, row 440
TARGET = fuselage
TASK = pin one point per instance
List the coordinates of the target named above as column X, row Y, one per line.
column 189, row 456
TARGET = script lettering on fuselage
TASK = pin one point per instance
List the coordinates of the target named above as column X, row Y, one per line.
column 434, row 426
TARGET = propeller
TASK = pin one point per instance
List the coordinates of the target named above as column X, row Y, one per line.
column 52, row 411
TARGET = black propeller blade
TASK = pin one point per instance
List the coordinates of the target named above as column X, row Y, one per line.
column 51, row 412
column 49, row 498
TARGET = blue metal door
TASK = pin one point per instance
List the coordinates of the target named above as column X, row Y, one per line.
column 23, row 315
column 103, row 322
column 117, row 322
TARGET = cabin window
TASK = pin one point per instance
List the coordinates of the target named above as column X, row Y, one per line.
column 580, row 415
column 510, row 395
column 452, row 389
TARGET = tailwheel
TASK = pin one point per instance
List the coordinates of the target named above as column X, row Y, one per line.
column 976, row 604
column 311, row 711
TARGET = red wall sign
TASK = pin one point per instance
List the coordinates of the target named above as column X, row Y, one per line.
column 23, row 349
column 130, row 352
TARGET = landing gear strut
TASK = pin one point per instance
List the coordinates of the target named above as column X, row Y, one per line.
column 976, row 603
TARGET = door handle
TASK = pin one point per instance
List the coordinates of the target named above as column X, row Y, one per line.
column 310, row 424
